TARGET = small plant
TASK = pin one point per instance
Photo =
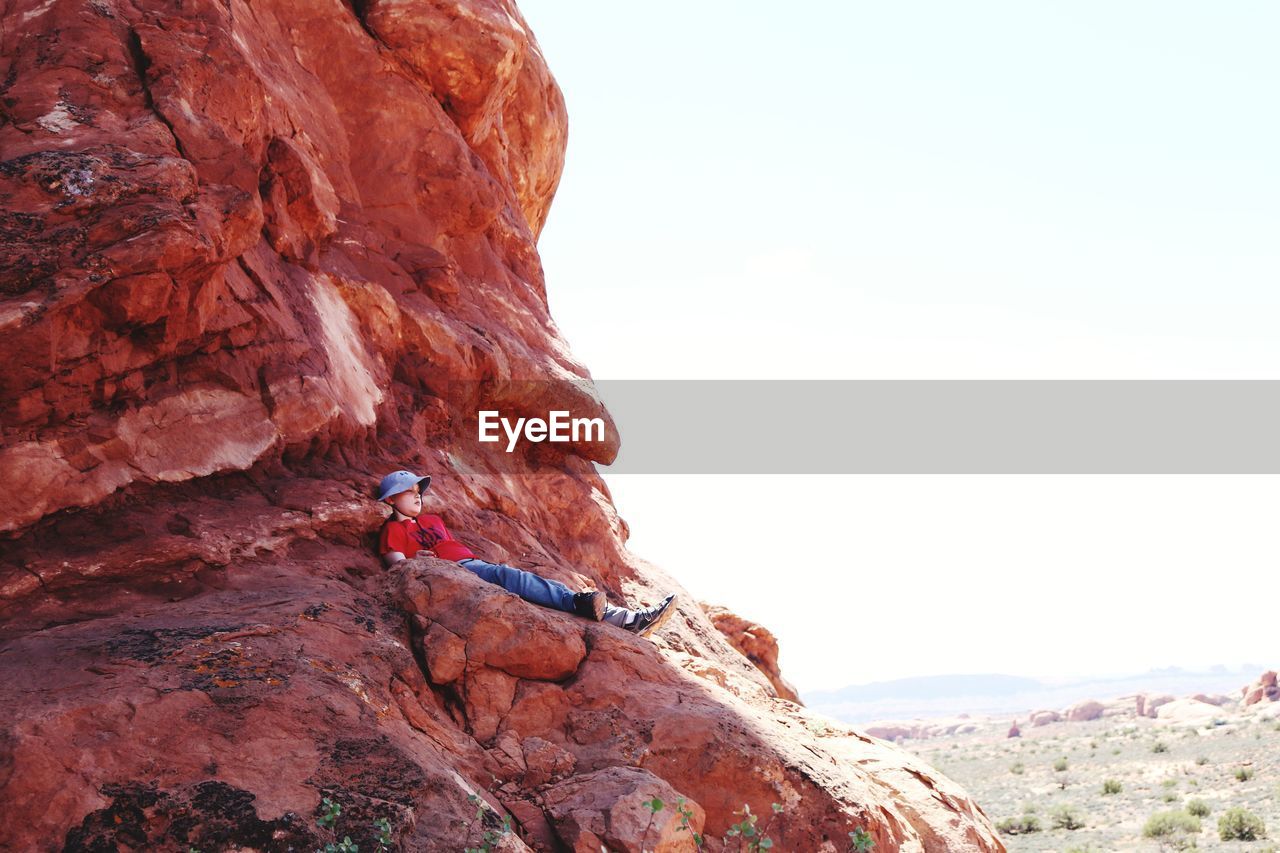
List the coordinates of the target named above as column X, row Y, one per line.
column 1066, row 816
column 1170, row 796
column 1244, row 774
column 1023, row 825
column 1202, row 761
column 1174, row 829
column 1159, row 746
column 1018, row 768
column 332, row 811
column 1061, row 764
column 685, row 814
column 654, row 806
column 1112, row 786
column 383, row 827
column 491, row 838
column 1237, row 824
column 746, row 828
column 860, row 841
column 1198, row 808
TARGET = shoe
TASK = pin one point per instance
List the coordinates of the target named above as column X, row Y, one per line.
column 590, row 604
column 651, row 618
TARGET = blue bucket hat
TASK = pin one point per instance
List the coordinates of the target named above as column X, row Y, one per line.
column 401, row 481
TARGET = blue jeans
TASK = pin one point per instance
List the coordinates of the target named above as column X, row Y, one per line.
column 535, row 588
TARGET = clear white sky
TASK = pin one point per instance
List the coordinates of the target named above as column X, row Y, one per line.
column 934, row 190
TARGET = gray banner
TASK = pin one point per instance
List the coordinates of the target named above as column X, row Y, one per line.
column 924, row 427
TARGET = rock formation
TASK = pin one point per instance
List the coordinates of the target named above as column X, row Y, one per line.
column 1085, row 711
column 756, row 643
column 1146, row 704
column 1044, row 717
column 1265, row 689
column 254, row 256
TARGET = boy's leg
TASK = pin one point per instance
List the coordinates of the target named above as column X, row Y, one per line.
column 527, row 585
column 619, row 616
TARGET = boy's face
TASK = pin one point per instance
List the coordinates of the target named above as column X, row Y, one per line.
column 407, row 503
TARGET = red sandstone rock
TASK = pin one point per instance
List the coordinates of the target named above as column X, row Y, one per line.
column 1043, row 718
column 920, row 729
column 606, row 810
column 1084, row 711
column 1014, row 731
column 251, row 257
column 1147, row 705
column 756, row 643
column 1265, row 689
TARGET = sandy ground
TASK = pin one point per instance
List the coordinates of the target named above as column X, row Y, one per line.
column 1201, row 762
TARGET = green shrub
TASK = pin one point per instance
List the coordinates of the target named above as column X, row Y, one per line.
column 1202, row 760
column 1019, row 825
column 491, row 839
column 1159, row 746
column 1237, row 824
column 1198, row 808
column 1018, row 768
column 1172, row 829
column 860, row 841
column 1061, row 764
column 1244, row 774
column 1066, row 816
column 1112, row 786
column 757, row 839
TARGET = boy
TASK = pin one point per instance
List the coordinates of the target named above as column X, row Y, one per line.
column 409, row 531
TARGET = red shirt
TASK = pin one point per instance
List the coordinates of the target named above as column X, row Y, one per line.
column 424, row 533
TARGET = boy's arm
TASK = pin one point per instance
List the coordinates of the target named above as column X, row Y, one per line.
column 391, row 543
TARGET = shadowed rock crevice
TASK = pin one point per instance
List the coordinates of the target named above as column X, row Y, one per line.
column 140, row 65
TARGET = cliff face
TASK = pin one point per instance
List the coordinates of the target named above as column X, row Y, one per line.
column 250, row 250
